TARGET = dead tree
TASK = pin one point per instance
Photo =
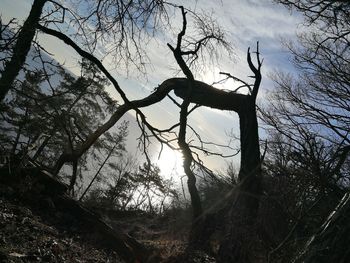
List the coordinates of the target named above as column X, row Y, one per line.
column 193, row 91
column 331, row 242
column 186, row 151
column 190, row 90
column 246, row 201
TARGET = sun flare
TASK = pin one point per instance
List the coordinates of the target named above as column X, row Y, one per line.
column 170, row 162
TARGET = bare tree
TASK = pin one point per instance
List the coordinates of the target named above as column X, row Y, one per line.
column 310, row 112
column 328, row 13
column 192, row 91
column 318, row 99
column 245, row 203
column 115, row 21
column 202, row 94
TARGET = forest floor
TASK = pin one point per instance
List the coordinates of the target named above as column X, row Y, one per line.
column 35, row 233
column 33, row 230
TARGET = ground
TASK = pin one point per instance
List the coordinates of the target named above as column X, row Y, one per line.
column 27, row 235
column 34, row 229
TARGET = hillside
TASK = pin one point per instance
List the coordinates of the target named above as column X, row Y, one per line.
column 40, row 224
column 31, row 234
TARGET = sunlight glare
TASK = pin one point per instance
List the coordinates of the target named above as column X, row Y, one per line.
column 170, row 163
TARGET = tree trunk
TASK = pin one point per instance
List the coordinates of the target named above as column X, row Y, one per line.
column 243, row 210
column 250, row 170
column 187, row 163
column 236, row 246
column 239, row 242
column 21, row 49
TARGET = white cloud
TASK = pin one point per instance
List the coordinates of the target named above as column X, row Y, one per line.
column 10, row 9
column 245, row 22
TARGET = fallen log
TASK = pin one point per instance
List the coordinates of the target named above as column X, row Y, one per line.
column 43, row 184
column 332, row 242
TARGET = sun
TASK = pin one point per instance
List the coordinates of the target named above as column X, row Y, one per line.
column 170, row 162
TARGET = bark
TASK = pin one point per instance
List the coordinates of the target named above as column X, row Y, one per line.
column 240, row 242
column 187, row 163
column 191, row 183
column 250, row 170
column 188, row 89
column 209, row 96
column 21, row 48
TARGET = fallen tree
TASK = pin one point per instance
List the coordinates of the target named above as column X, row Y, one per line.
column 331, row 242
column 44, row 186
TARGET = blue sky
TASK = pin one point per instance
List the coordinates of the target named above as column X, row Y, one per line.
column 245, row 21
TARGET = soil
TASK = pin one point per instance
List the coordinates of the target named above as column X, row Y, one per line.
column 33, row 228
column 39, row 234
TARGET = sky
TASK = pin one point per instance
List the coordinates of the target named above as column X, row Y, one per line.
column 244, row 21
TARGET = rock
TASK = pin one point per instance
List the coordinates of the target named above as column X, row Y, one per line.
column 17, row 255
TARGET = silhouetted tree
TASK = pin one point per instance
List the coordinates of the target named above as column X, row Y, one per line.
column 310, row 115
column 93, row 23
column 130, row 16
column 65, row 112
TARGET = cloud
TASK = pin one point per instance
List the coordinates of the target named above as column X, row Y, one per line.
column 245, row 22
column 10, row 9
